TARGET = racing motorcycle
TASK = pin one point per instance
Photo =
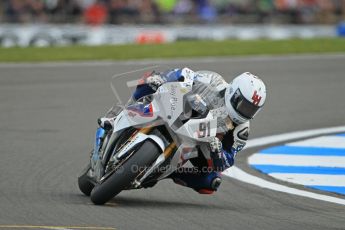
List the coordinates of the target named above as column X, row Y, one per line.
column 151, row 138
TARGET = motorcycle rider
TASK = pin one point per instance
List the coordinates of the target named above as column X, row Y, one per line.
column 236, row 103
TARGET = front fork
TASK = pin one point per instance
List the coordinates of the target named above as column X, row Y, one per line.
column 96, row 157
column 97, row 144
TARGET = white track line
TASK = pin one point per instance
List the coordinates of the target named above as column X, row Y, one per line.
column 239, row 174
column 321, row 142
column 311, row 179
column 296, row 160
column 261, row 141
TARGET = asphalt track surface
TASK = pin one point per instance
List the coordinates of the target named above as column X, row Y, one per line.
column 47, row 121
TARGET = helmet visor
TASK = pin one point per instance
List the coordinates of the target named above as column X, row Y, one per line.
column 244, row 107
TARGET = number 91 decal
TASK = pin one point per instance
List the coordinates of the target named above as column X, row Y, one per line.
column 204, row 129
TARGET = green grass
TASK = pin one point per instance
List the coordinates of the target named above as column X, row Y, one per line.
column 173, row 50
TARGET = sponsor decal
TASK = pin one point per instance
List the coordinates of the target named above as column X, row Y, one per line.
column 173, row 99
column 141, row 110
column 243, row 134
column 256, row 98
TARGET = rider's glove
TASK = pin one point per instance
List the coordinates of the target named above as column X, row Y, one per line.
column 216, row 152
column 216, row 146
column 154, row 81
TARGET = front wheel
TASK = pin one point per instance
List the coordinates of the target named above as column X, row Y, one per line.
column 121, row 179
column 84, row 182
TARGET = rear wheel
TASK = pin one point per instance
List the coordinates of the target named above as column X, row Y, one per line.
column 129, row 170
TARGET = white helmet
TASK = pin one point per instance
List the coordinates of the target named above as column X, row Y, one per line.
column 244, row 97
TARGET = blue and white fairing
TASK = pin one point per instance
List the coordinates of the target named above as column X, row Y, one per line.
column 167, row 106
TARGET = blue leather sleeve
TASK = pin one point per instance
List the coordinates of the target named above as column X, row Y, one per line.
column 142, row 90
column 226, row 161
column 145, row 89
column 172, row 75
column 229, row 158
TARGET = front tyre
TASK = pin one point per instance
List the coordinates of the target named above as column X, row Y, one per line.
column 84, row 181
column 121, row 179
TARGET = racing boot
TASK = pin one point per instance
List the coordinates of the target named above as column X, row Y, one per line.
column 203, row 183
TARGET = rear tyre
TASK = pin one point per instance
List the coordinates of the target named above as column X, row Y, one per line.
column 122, row 179
column 84, row 182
